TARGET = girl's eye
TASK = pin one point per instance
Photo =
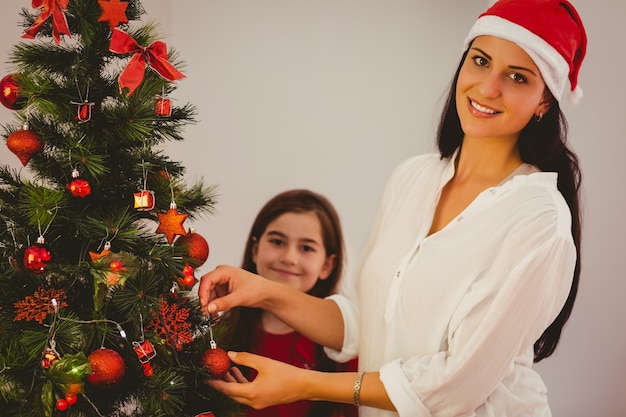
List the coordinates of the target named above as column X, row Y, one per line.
column 480, row 61
column 306, row 248
column 276, row 241
column 518, row 78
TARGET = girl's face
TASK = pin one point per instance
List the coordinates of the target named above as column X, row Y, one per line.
column 499, row 89
column 291, row 250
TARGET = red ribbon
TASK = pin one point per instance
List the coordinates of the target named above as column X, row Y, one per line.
column 155, row 55
column 55, row 8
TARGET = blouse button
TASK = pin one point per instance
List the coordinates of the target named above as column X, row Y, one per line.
column 492, row 191
column 459, row 218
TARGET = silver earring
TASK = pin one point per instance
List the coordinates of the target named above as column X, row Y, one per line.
column 538, row 117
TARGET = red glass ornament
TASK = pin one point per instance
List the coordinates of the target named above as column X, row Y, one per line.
column 62, row 404
column 36, row 257
column 10, row 97
column 24, row 143
column 107, row 368
column 163, row 106
column 206, row 414
column 197, row 247
column 144, row 200
column 79, row 188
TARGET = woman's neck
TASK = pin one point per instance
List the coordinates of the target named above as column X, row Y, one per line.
column 487, row 160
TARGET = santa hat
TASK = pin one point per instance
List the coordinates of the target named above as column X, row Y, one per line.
column 550, row 31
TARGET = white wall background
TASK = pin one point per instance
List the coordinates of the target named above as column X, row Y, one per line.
column 331, row 94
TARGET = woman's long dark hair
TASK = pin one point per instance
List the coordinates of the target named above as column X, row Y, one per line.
column 543, row 144
column 243, row 321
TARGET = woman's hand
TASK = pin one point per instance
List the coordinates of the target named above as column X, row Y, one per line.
column 226, row 287
column 276, row 382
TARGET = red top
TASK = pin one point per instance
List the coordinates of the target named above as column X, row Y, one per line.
column 297, row 350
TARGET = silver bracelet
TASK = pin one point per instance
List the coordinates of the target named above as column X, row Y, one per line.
column 356, row 394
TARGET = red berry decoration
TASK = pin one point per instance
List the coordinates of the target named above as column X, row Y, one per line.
column 107, row 368
column 196, row 246
column 24, row 143
column 62, row 404
column 10, row 97
column 71, row 399
column 216, row 361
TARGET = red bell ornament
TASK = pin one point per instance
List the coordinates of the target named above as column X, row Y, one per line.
column 10, row 97
column 144, row 200
column 79, row 188
column 24, row 143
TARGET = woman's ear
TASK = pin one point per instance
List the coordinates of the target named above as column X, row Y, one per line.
column 328, row 267
column 544, row 104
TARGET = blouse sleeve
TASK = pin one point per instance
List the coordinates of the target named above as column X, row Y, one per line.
column 507, row 311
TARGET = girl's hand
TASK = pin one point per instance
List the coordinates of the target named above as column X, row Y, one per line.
column 226, row 287
column 276, row 382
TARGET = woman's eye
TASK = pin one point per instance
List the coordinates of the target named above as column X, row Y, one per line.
column 480, row 61
column 518, row 78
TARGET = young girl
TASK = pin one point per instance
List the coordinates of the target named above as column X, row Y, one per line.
column 473, row 264
column 296, row 239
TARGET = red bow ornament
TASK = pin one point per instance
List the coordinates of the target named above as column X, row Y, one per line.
column 155, row 55
column 54, row 8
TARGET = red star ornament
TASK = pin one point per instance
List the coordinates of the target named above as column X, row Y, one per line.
column 113, row 11
column 171, row 224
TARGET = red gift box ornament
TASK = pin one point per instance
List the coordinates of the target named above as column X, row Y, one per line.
column 37, row 256
column 163, row 106
column 144, row 200
column 155, row 55
column 144, row 350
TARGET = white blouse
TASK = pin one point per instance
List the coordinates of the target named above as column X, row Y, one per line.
column 450, row 319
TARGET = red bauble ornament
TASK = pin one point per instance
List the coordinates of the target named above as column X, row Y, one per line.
column 79, row 188
column 24, row 143
column 36, row 257
column 197, row 247
column 206, row 414
column 10, row 97
column 216, row 361
column 107, row 368
column 62, row 404
column 171, row 223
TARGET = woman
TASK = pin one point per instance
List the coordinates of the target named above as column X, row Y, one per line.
column 473, row 264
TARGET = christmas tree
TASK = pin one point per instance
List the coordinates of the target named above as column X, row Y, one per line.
column 97, row 317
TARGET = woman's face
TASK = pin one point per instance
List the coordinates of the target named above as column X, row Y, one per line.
column 291, row 251
column 499, row 89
